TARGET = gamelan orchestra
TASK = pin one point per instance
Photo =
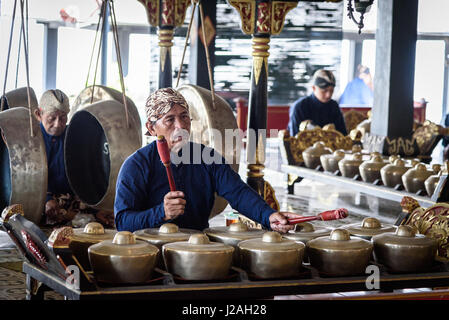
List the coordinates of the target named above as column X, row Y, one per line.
column 175, row 196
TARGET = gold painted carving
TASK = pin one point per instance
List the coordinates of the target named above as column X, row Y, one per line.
column 279, row 11
column 247, row 11
column 263, row 22
column 165, row 44
column 270, row 197
column 152, row 9
column 306, row 138
column 353, row 118
column 168, row 13
column 394, row 146
column 433, row 222
column 260, row 56
column 180, row 12
column 427, row 136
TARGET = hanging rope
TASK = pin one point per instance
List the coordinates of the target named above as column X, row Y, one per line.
column 18, row 58
column 25, row 47
column 209, row 69
column 93, row 49
column 9, row 53
column 185, row 43
column 119, row 58
column 19, row 51
column 102, row 19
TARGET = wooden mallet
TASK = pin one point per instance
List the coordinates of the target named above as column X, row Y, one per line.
column 164, row 154
column 324, row 216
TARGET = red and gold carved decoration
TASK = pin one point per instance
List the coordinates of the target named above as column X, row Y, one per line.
column 152, row 9
column 279, row 11
column 433, row 222
column 247, row 10
column 270, row 15
column 168, row 13
column 263, row 22
column 269, row 196
column 181, row 9
column 172, row 12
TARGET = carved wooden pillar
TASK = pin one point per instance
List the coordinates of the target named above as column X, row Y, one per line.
column 166, row 15
column 261, row 19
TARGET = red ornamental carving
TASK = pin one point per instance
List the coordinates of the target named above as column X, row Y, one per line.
column 168, row 12
column 264, row 18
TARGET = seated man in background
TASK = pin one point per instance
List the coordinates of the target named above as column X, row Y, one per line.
column 143, row 197
column 359, row 92
column 61, row 204
column 318, row 106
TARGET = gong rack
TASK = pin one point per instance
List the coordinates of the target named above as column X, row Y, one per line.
column 50, row 274
column 375, row 188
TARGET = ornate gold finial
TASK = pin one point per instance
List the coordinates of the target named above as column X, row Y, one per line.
column 260, row 56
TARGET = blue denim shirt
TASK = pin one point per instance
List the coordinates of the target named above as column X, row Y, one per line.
column 57, row 178
column 142, row 184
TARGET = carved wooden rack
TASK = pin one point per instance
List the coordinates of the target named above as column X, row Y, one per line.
column 357, row 185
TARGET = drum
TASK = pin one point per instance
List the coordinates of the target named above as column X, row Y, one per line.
column 209, row 127
column 97, row 143
column 23, row 164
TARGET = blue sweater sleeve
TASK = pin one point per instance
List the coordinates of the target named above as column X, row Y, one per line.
column 129, row 206
column 296, row 116
column 240, row 196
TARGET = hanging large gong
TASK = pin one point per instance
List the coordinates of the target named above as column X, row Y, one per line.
column 209, row 127
column 102, row 93
column 23, row 163
column 19, row 98
column 97, row 143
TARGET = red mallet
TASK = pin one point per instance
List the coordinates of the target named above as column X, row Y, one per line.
column 324, row 216
column 164, row 154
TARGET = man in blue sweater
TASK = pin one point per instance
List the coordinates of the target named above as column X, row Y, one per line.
column 143, row 197
column 318, row 106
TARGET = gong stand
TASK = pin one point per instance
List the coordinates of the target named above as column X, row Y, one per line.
column 23, row 35
column 102, row 20
column 166, row 15
column 209, row 68
column 261, row 19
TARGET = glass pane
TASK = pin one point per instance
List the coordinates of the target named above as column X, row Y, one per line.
column 429, row 76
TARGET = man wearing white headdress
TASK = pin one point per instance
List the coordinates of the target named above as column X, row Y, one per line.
column 52, row 114
column 61, row 204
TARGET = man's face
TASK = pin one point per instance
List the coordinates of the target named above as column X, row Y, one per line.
column 174, row 126
column 323, row 95
column 54, row 122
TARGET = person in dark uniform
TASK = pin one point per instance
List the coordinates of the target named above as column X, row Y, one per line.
column 61, row 204
column 143, row 197
column 318, row 106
